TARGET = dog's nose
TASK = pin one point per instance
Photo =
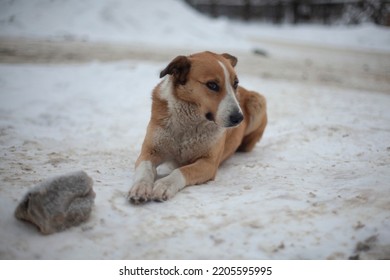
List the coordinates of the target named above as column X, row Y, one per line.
column 235, row 118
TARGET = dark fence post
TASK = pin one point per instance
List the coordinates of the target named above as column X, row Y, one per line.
column 247, row 10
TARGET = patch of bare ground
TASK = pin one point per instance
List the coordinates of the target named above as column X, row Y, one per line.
column 346, row 68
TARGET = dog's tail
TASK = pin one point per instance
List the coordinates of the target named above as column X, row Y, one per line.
column 256, row 108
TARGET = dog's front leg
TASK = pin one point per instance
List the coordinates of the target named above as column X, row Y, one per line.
column 201, row 171
column 145, row 173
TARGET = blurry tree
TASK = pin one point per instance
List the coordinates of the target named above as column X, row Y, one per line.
column 299, row 11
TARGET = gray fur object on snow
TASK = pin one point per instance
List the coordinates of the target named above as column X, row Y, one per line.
column 58, row 203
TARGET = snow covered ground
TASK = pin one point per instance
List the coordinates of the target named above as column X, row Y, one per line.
column 316, row 187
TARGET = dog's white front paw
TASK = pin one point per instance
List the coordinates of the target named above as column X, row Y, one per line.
column 141, row 192
column 163, row 190
column 167, row 187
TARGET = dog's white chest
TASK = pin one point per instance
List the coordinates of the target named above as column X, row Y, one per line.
column 186, row 135
column 188, row 143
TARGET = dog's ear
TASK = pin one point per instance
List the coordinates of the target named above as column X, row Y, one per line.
column 179, row 68
column 233, row 60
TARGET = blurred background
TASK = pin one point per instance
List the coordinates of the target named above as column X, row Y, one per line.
column 299, row 11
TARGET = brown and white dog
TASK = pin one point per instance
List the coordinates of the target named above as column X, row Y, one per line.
column 200, row 116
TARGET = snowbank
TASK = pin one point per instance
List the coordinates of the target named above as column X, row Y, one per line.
column 169, row 23
column 166, row 23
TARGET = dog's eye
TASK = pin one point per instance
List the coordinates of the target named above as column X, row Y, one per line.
column 235, row 84
column 213, row 86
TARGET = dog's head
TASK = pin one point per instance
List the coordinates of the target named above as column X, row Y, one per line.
column 209, row 81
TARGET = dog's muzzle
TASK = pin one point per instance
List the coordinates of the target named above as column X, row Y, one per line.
column 235, row 119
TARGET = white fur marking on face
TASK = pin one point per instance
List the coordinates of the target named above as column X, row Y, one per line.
column 166, row 93
column 229, row 103
column 166, row 88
